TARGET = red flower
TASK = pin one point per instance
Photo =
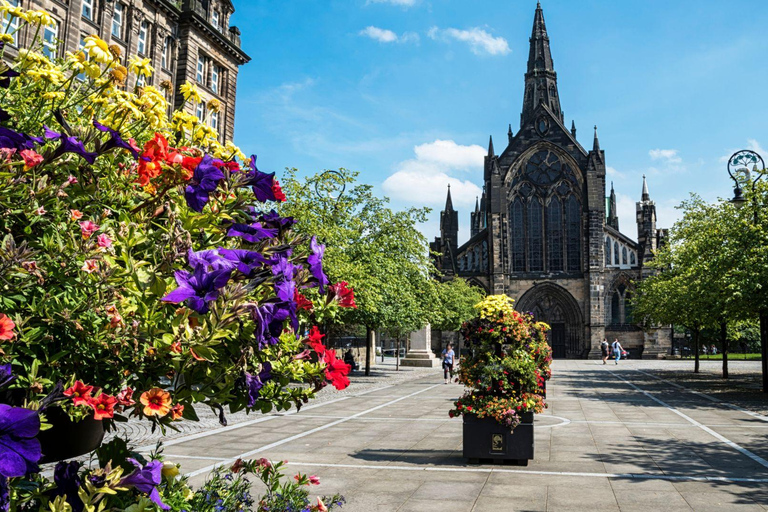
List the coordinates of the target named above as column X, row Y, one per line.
column 190, row 164
column 6, row 327
column 176, row 347
column 344, row 295
column 80, row 393
column 314, row 480
column 125, row 397
column 155, row 151
column 177, row 411
column 336, row 370
column 302, row 302
column 315, row 340
column 31, row 158
column 103, row 406
column 277, row 191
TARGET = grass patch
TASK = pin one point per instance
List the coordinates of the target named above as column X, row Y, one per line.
column 731, row 357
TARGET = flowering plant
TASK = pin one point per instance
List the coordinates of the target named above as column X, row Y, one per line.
column 142, row 266
column 508, row 364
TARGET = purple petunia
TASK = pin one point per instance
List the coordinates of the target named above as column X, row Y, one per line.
column 270, row 319
column 254, row 383
column 245, row 261
column 115, row 140
column 146, row 479
column 251, row 232
column 5, row 495
column 260, row 182
column 5, row 77
column 19, row 141
column 199, row 288
column 67, row 480
column 273, row 220
column 69, row 144
column 6, row 377
column 210, row 259
column 315, row 261
column 19, row 449
column 204, row 180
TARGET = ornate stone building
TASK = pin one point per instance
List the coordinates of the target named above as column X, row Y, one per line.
column 545, row 233
column 186, row 40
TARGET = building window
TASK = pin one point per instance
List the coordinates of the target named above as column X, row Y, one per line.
column 555, row 235
column 607, row 251
column 200, row 70
column 535, row 237
column 117, row 21
column 573, row 223
column 216, row 19
column 616, row 253
column 164, row 56
column 200, row 111
column 50, row 40
column 215, row 74
column 215, row 120
column 143, row 36
column 615, row 308
column 624, row 256
column 88, row 9
column 517, row 237
column 632, row 260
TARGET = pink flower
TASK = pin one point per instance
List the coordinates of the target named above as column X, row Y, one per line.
column 314, row 480
column 41, row 211
column 71, row 180
column 103, row 241
column 90, row 266
column 87, row 228
column 321, row 506
column 31, row 158
column 6, row 153
column 125, row 397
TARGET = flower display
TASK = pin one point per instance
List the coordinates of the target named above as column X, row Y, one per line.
column 79, row 393
column 156, row 402
column 508, row 364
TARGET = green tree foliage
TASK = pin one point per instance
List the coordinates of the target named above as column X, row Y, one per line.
column 456, row 304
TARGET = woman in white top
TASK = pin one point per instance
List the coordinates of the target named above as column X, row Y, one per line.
column 617, row 349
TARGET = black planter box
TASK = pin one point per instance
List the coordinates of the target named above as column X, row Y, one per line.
column 486, row 439
column 67, row 439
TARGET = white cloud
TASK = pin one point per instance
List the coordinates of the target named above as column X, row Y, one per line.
column 480, row 41
column 667, row 155
column 401, row 3
column 424, row 179
column 383, row 35
column 755, row 146
column 613, row 173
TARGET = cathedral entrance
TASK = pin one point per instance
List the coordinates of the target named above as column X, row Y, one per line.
column 555, row 306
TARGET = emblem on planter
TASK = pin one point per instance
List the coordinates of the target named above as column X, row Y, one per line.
column 497, row 443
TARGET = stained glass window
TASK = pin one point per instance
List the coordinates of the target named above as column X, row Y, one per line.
column 632, row 260
column 615, row 312
column 535, row 237
column 573, row 223
column 607, row 251
column 517, row 237
column 555, row 235
column 615, row 253
column 624, row 256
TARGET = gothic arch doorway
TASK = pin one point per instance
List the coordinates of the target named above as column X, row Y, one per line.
column 554, row 305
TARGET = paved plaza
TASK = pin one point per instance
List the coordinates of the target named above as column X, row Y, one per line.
column 614, row 438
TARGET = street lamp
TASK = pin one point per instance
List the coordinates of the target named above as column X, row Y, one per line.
column 739, row 171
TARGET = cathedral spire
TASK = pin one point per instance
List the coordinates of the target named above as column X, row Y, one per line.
column 490, row 148
column 573, row 129
column 646, row 196
column 540, row 79
column 596, row 143
column 477, row 204
column 448, row 201
column 510, row 135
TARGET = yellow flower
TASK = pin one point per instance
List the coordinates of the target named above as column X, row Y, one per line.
column 183, row 121
column 52, row 76
column 41, row 17
column 15, row 12
column 170, row 470
column 141, row 66
column 190, row 91
column 98, row 49
column 54, row 95
column 6, row 39
column 92, row 69
column 214, row 105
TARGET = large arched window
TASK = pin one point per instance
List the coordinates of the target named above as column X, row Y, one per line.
column 624, row 256
column 607, row 251
column 535, row 237
column 555, row 235
column 573, row 223
column 615, row 308
column 517, row 236
column 621, row 305
column 615, row 253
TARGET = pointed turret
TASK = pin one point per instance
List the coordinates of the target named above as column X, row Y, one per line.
column 510, row 135
column 491, row 154
column 596, row 143
column 646, row 196
column 477, row 204
column 448, row 201
column 540, row 79
column 612, row 215
column 573, row 129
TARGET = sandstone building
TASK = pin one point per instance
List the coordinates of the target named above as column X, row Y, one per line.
column 545, row 233
column 186, row 40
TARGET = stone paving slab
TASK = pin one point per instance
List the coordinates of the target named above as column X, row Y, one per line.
column 615, row 439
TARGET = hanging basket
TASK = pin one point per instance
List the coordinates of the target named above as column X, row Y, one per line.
column 66, row 438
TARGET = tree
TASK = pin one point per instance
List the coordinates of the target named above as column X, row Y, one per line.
column 378, row 251
column 456, row 304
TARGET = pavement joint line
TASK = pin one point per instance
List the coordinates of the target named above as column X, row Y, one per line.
column 243, row 424
column 195, row 457
column 708, row 397
column 665, row 425
column 304, row 434
column 632, row 476
column 706, row 429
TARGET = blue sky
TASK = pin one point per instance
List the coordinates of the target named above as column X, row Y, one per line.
column 407, row 91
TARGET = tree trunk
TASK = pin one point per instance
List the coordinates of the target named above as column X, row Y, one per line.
column 696, row 350
column 724, row 343
column 369, row 350
column 397, row 355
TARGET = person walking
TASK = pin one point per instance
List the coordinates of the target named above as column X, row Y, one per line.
column 605, row 350
column 447, row 357
column 617, row 349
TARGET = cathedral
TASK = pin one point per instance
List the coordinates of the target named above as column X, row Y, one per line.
column 545, row 233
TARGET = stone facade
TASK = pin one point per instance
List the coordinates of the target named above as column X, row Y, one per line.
column 186, row 40
column 545, row 233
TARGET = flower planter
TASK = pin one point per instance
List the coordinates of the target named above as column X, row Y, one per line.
column 486, row 439
column 66, row 438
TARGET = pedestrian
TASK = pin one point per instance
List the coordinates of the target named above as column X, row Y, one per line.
column 617, row 349
column 713, row 350
column 704, row 349
column 604, row 349
column 447, row 357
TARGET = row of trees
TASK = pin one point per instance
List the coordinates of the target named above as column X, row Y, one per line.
column 379, row 252
column 713, row 274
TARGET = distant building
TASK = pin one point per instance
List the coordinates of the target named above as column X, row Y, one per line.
column 545, row 233
column 186, row 40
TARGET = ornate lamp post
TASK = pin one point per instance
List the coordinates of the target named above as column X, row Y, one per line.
column 739, row 170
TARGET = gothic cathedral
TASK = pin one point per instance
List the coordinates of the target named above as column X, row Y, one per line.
column 545, row 233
